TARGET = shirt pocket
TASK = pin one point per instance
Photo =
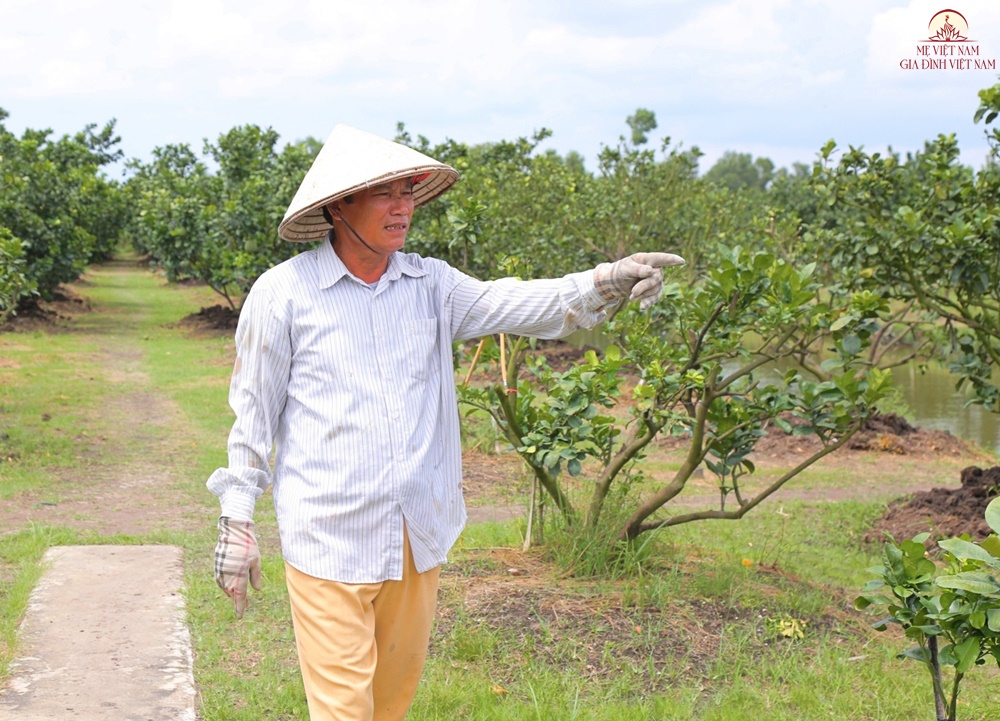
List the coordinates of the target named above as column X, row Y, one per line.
column 419, row 343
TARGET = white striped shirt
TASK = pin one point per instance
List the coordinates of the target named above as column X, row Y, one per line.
column 354, row 387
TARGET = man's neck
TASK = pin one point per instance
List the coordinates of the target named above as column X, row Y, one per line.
column 361, row 262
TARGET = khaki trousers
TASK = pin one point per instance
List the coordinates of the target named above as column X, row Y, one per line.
column 362, row 646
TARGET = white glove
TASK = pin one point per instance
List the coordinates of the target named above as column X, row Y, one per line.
column 237, row 560
column 637, row 277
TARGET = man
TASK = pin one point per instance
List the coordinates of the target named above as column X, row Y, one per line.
column 344, row 363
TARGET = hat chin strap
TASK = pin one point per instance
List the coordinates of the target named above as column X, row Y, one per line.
column 356, row 235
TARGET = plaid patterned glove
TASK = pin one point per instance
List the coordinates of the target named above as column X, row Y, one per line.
column 637, row 277
column 237, row 560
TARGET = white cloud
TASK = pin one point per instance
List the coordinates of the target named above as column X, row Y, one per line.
column 73, row 78
column 779, row 75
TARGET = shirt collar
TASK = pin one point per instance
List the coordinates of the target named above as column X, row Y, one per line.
column 332, row 268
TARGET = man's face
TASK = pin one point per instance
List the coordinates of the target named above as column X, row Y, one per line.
column 380, row 214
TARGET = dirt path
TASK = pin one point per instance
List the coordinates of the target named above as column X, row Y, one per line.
column 129, row 473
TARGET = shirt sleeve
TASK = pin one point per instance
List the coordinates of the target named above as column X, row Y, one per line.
column 257, row 394
column 547, row 308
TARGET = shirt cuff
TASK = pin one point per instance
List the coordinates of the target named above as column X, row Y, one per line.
column 591, row 299
column 237, row 506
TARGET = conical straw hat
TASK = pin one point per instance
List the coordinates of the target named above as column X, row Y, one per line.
column 352, row 160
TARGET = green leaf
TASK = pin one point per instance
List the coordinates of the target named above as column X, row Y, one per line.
column 883, row 623
column 875, row 583
column 841, row 322
column 894, row 561
column 863, row 602
column 913, row 550
column 993, row 515
column 992, row 544
column 947, row 656
column 851, row 344
column 574, row 467
column 966, row 652
column 917, row 653
column 965, row 550
column 993, row 619
column 971, row 581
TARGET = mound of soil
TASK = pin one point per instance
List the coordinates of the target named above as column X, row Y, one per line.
column 44, row 315
column 884, row 433
column 888, row 433
column 215, row 317
column 942, row 512
column 563, row 356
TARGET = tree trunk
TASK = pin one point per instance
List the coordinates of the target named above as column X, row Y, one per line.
column 939, row 703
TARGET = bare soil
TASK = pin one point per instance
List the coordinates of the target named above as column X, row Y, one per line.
column 47, row 315
column 213, row 318
column 942, row 512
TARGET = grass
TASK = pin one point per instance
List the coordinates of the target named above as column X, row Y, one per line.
column 51, row 396
column 20, row 568
column 688, row 628
column 689, row 638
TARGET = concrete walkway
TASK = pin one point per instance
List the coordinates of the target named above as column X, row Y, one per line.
column 104, row 639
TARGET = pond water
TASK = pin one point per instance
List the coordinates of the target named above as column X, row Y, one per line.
column 934, row 403
column 930, row 396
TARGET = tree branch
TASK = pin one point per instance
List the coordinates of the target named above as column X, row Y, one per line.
column 753, row 502
column 549, row 482
column 640, row 436
column 695, row 455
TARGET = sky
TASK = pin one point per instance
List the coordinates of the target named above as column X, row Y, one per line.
column 773, row 78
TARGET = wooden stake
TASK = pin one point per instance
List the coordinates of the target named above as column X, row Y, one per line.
column 503, row 361
column 475, row 360
column 531, row 514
